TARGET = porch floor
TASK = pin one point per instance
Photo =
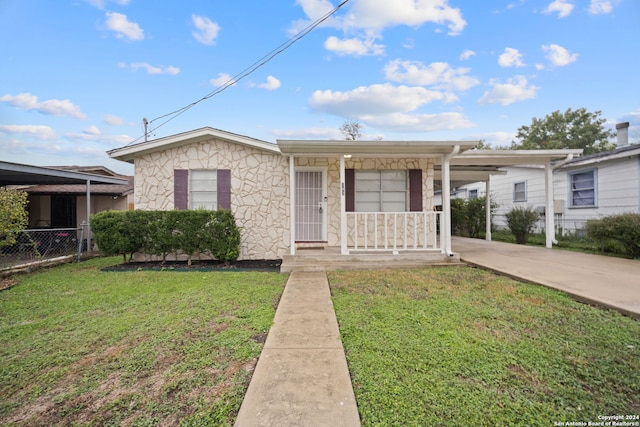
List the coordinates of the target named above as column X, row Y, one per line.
column 330, row 259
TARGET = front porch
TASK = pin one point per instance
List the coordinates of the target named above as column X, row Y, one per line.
column 330, row 258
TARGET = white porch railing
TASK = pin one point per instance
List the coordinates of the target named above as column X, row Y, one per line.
column 394, row 231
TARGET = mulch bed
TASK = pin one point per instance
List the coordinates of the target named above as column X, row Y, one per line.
column 271, row 265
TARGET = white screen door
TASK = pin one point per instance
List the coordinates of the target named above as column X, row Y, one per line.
column 310, row 206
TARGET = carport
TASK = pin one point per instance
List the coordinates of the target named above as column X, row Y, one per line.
column 16, row 174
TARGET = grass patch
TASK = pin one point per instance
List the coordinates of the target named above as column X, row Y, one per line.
column 81, row 346
column 462, row 346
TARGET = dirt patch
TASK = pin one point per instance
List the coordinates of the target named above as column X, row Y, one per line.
column 271, row 265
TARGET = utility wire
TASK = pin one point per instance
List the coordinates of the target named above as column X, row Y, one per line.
column 244, row 73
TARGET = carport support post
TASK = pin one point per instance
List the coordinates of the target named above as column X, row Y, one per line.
column 487, row 208
column 88, row 215
column 550, row 229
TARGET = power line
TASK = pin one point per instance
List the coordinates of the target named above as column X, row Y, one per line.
column 244, row 73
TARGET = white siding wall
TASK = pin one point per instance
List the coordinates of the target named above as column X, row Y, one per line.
column 502, row 190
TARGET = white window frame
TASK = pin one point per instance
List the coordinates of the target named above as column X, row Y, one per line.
column 524, row 200
column 381, row 191
column 570, row 176
column 195, row 191
column 473, row 194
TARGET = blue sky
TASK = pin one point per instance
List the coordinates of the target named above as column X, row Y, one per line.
column 78, row 76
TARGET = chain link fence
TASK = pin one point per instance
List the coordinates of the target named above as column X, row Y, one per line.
column 564, row 226
column 37, row 245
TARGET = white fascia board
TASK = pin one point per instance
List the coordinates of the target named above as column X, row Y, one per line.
column 128, row 153
column 371, row 148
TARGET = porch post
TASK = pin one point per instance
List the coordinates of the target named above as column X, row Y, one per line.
column 292, row 205
column 549, row 213
column 446, row 206
column 343, row 210
column 488, row 209
column 88, row 215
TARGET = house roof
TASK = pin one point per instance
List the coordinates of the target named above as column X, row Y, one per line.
column 378, row 148
column 81, row 189
column 617, row 153
column 129, row 152
column 21, row 174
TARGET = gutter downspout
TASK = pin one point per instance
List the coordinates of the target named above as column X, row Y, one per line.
column 446, row 199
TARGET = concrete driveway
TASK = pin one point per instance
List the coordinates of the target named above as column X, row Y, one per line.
column 594, row 279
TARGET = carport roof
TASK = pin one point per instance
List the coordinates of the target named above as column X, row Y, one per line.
column 21, row 174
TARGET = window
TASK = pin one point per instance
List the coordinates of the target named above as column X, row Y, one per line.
column 203, row 189
column 582, row 187
column 381, row 190
column 520, row 191
column 473, row 194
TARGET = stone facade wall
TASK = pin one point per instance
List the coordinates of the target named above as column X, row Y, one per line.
column 259, row 189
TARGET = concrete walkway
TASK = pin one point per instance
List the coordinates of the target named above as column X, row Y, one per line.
column 600, row 280
column 302, row 378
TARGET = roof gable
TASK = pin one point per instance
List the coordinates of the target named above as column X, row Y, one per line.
column 130, row 152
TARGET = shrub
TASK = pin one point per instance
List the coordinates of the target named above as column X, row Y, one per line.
column 521, row 222
column 118, row 232
column 13, row 215
column 623, row 229
column 161, row 232
column 468, row 217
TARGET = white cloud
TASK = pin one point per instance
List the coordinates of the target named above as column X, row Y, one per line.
column 52, row 107
column 207, row 30
column 510, row 58
column 271, row 84
column 353, row 46
column 36, row 131
column 400, row 122
column 558, row 55
column 223, row 79
column 112, row 120
column 600, row 7
column 100, row 4
column 514, row 90
column 150, row 69
column 562, row 7
column 378, row 99
column 377, row 15
column 119, row 23
column 439, row 74
column 467, row 54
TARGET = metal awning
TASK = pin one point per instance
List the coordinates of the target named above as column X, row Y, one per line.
column 382, row 148
column 21, row 174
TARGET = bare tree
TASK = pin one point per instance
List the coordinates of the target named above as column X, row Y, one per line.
column 352, row 130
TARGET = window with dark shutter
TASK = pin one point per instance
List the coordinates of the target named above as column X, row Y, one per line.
column 181, row 189
column 224, row 189
column 415, row 190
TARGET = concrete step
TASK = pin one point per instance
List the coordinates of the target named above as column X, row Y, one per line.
column 319, row 261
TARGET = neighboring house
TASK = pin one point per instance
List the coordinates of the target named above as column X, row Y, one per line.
column 65, row 205
column 353, row 195
column 588, row 187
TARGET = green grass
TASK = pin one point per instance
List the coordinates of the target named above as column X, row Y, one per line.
column 461, row 346
column 84, row 347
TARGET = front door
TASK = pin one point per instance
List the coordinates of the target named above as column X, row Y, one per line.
column 310, row 206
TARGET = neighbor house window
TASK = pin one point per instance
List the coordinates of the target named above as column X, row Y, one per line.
column 582, row 186
column 520, row 191
column 203, row 189
column 381, row 190
column 473, row 194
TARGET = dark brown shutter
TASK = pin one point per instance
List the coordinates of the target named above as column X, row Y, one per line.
column 181, row 188
column 415, row 190
column 224, row 189
column 350, row 189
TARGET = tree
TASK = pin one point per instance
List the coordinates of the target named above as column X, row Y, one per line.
column 352, row 130
column 13, row 215
column 571, row 129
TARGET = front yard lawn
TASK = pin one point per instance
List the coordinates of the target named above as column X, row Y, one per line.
column 84, row 347
column 462, row 346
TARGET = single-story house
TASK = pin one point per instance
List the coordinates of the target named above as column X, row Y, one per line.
column 357, row 196
column 587, row 187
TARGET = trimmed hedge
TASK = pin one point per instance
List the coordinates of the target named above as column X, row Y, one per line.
column 163, row 232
